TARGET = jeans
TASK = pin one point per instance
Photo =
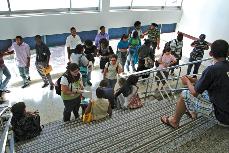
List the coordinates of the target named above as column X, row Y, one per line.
column 130, row 60
column 196, row 66
column 24, row 73
column 72, row 105
column 123, row 56
column 4, row 71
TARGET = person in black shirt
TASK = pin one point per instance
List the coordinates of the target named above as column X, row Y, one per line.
column 214, row 83
column 197, row 54
column 42, row 61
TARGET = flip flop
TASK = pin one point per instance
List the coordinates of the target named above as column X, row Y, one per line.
column 166, row 122
column 189, row 115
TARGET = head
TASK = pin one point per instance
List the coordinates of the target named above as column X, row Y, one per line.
column 88, row 43
column 38, row 39
column 148, row 42
column 99, row 92
column 153, row 26
column 124, row 37
column 113, row 59
column 73, row 70
column 19, row 40
column 79, row 49
column 219, row 49
column 102, row 29
column 167, row 51
column 121, row 82
column 103, row 83
column 135, row 34
column 202, row 37
column 73, row 31
column 180, row 37
column 137, row 25
column 18, row 109
column 104, row 43
column 132, row 79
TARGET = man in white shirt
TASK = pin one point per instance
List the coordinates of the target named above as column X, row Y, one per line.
column 22, row 59
column 72, row 41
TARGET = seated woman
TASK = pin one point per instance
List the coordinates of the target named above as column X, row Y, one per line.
column 26, row 125
column 100, row 108
column 120, row 99
column 129, row 91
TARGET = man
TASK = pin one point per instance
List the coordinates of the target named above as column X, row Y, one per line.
column 100, row 36
column 22, row 59
column 176, row 46
column 72, row 41
column 214, row 83
column 42, row 61
column 154, row 36
column 197, row 54
column 137, row 27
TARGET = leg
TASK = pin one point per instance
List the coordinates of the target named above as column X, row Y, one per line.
column 190, row 66
column 196, row 68
column 27, row 73
column 40, row 67
column 132, row 63
column 22, row 71
column 76, row 106
column 6, row 72
column 67, row 110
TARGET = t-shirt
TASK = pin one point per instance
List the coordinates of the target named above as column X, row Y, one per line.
column 154, row 34
column 198, row 51
column 42, row 53
column 215, row 79
column 176, row 48
column 123, row 44
column 99, row 108
column 140, row 33
column 167, row 59
column 77, row 58
column 72, row 86
column 112, row 70
column 134, row 42
column 72, row 42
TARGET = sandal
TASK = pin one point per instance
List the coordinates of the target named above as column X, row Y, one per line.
column 165, row 121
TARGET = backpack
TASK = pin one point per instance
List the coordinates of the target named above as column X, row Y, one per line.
column 58, row 85
column 83, row 69
column 167, row 44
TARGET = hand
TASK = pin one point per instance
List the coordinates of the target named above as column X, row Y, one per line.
column 185, row 80
column 28, row 64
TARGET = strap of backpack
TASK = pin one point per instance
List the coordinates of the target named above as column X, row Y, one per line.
column 65, row 75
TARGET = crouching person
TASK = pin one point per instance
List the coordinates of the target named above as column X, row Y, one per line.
column 100, row 107
column 26, row 125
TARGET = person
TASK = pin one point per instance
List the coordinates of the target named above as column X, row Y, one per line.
column 166, row 60
column 81, row 60
column 101, row 35
column 108, row 92
column 111, row 70
column 71, row 89
column 90, row 51
column 132, row 58
column 142, row 67
column 154, row 35
column 176, row 46
column 100, row 107
column 120, row 98
column 25, row 124
column 72, row 41
column 197, row 53
column 122, row 49
column 137, row 27
column 105, row 51
column 209, row 96
column 42, row 61
column 22, row 58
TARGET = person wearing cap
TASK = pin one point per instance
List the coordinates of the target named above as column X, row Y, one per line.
column 154, row 35
column 197, row 53
column 209, row 96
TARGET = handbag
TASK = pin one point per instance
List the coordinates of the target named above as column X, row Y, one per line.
column 87, row 118
column 135, row 101
column 47, row 70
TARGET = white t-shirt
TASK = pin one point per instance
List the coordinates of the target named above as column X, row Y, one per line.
column 75, row 58
column 72, row 42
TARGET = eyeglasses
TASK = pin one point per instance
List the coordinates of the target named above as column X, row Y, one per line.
column 113, row 60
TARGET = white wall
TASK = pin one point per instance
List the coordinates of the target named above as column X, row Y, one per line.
column 205, row 16
column 30, row 25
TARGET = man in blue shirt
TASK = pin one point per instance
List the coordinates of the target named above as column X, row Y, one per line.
column 210, row 94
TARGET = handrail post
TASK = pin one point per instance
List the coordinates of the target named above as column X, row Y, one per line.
column 178, row 78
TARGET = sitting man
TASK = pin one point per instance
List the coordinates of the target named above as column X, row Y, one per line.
column 214, row 83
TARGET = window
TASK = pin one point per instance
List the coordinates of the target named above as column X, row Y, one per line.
column 3, row 5
column 118, row 3
column 38, row 4
column 85, row 3
column 148, row 2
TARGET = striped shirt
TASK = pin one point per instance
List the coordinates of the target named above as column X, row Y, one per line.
column 176, row 48
column 198, row 51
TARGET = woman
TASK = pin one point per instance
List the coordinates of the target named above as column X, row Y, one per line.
column 71, row 86
column 122, row 49
column 100, row 108
column 111, row 70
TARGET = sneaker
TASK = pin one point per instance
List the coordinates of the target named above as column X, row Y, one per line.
column 44, row 85
column 25, row 85
column 6, row 91
column 89, row 83
column 51, row 87
column 29, row 78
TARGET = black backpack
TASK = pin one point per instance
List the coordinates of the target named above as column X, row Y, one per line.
column 58, row 85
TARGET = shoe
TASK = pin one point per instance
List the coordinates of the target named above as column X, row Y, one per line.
column 25, row 85
column 6, row 91
column 89, row 83
column 172, row 74
column 51, row 87
column 44, row 85
column 29, row 78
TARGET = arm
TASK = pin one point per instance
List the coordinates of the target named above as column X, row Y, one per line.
column 68, row 47
column 28, row 55
column 120, row 70
column 119, row 91
column 97, row 41
column 186, row 81
column 6, row 53
column 66, row 91
column 158, row 40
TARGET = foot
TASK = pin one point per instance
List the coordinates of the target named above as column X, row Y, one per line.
column 51, row 87
column 191, row 115
column 6, row 91
column 29, row 78
column 89, row 83
column 167, row 121
column 25, row 85
column 44, row 85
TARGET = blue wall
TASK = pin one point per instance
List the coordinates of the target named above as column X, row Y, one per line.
column 59, row 39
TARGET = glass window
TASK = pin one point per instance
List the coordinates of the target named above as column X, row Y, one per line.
column 3, row 5
column 148, row 2
column 173, row 2
column 38, row 4
column 118, row 3
column 85, row 3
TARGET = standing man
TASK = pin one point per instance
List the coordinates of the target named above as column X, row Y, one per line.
column 154, row 35
column 72, row 41
column 100, row 36
column 137, row 27
column 42, row 61
column 22, row 59
column 197, row 53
